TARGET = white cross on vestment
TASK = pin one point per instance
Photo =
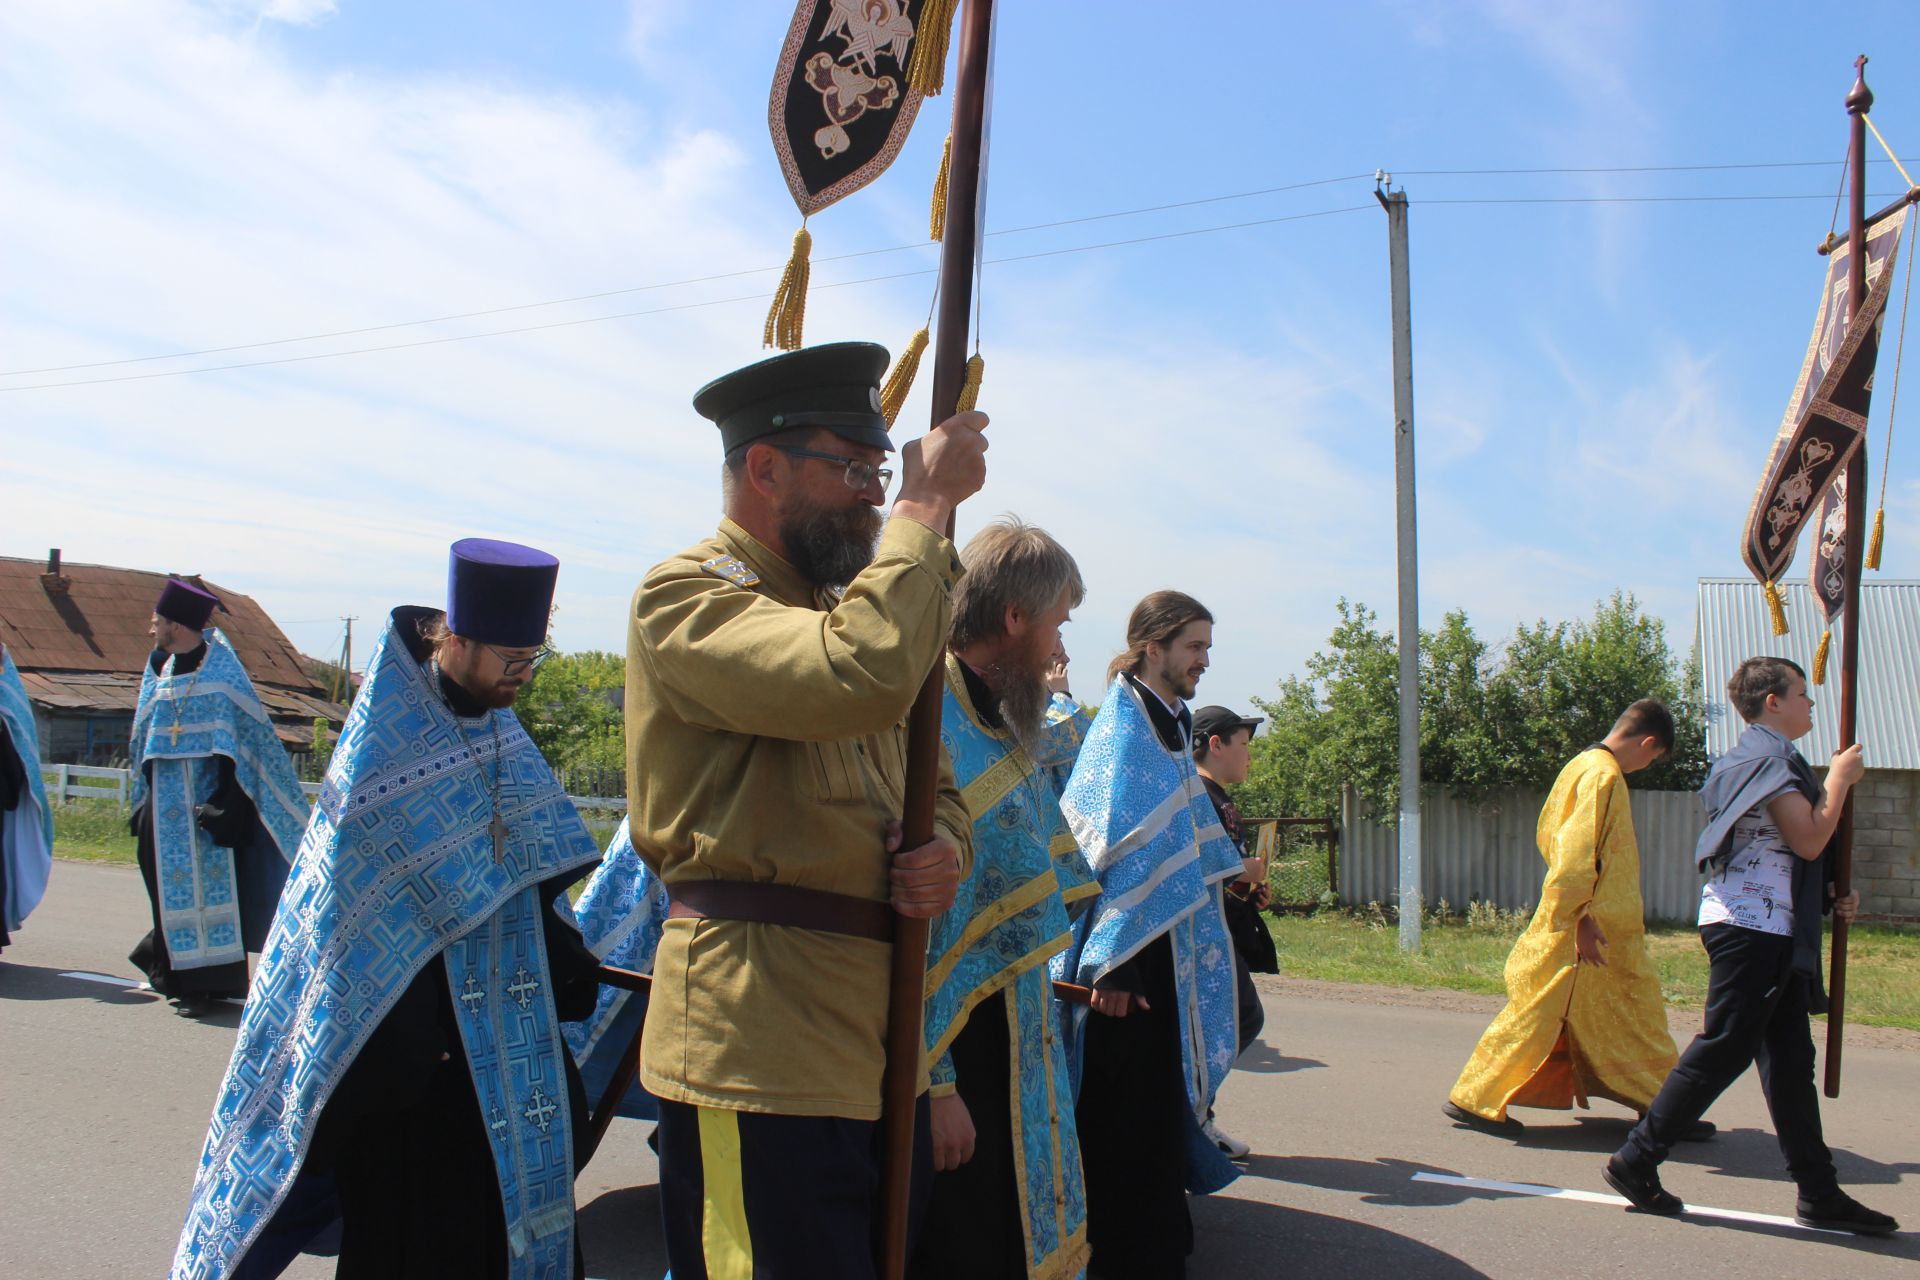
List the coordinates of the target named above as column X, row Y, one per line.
column 541, row 1110
column 523, row 986
column 471, row 994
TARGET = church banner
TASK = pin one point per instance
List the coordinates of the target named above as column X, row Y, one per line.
column 841, row 107
column 1826, row 418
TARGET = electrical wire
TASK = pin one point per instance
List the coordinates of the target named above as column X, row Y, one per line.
column 866, row 253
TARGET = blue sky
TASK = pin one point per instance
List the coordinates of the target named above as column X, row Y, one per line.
column 1596, row 384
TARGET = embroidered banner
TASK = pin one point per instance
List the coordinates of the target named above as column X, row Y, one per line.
column 841, row 109
column 1828, row 576
column 1826, row 417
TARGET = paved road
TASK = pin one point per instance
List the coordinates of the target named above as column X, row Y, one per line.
column 107, row 1094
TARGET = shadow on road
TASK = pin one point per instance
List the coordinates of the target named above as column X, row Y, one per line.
column 1384, row 1181
column 1247, row 1238
column 620, row 1234
column 1738, row 1153
column 34, row 982
column 1264, row 1059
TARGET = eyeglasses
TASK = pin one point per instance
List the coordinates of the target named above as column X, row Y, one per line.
column 858, row 474
column 511, row 666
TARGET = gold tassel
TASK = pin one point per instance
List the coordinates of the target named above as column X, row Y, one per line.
column 937, row 219
column 1879, row 536
column 1776, row 609
column 900, row 381
column 970, row 384
column 927, row 66
column 788, row 315
column 1820, row 656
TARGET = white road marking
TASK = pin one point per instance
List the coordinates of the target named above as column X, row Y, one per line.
column 127, row 984
column 1595, row 1197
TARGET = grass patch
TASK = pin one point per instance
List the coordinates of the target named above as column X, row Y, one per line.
column 92, row 831
column 1470, row 954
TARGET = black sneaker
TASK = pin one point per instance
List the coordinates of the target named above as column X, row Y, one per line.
column 1642, row 1188
column 1841, row 1212
column 1508, row 1128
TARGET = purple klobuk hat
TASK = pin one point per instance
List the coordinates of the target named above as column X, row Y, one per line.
column 186, row 604
column 499, row 592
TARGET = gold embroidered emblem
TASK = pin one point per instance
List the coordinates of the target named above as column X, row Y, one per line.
column 728, row 569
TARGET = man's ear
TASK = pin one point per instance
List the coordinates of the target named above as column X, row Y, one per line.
column 761, row 467
column 1014, row 621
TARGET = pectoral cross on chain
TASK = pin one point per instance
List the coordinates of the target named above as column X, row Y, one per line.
column 498, row 830
column 174, row 733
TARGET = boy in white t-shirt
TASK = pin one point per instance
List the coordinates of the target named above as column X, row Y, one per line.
column 1768, row 826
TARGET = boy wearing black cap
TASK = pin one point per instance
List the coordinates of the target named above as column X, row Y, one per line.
column 1222, row 747
column 770, row 670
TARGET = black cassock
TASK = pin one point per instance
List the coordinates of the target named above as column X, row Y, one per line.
column 13, row 786
column 230, row 819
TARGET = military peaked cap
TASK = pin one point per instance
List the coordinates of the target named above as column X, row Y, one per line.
column 836, row 386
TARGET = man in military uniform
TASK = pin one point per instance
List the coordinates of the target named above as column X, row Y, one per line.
column 770, row 670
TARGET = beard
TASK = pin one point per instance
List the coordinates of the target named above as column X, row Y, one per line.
column 1184, row 681
column 831, row 545
column 1022, row 699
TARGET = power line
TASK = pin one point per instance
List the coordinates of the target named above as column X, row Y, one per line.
column 685, row 306
column 898, row 275
column 865, row 253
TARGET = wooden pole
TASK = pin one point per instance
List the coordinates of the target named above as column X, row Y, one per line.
column 906, row 1004
column 1859, row 102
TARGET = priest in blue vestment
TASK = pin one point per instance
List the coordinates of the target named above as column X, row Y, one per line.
column 1008, row 1197
column 1151, row 1051
column 217, row 810
column 26, row 823
column 401, row 1048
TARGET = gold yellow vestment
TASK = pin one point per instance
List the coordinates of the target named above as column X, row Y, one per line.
column 1572, row 1031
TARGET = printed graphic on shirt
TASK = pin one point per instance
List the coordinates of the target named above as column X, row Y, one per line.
column 1755, row 889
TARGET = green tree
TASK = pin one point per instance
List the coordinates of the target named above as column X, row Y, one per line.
column 572, row 711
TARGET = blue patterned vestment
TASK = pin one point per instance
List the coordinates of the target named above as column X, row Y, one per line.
column 180, row 725
column 398, row 866
column 1142, row 817
column 26, row 835
column 621, row 912
column 1067, row 724
column 1009, row 916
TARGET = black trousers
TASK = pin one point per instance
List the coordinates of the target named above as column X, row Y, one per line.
column 976, row 1220
column 1133, row 1125
column 1757, row 1012
column 777, row 1197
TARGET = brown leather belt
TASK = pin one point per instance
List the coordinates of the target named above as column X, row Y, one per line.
column 781, row 904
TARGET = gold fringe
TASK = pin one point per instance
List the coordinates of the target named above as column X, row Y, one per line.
column 787, row 318
column 937, row 218
column 970, row 384
column 927, row 66
column 1879, row 536
column 900, row 381
column 1776, row 610
column 1820, row 656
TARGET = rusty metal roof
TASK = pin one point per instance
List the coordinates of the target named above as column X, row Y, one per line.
column 95, row 617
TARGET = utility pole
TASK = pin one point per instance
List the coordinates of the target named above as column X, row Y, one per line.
column 343, row 682
column 1411, row 900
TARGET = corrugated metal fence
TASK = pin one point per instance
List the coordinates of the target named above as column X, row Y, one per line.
column 1484, row 851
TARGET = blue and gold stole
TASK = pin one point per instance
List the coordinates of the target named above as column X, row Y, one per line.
column 181, row 724
column 1142, row 817
column 28, row 833
column 399, row 866
column 621, row 912
column 1009, row 916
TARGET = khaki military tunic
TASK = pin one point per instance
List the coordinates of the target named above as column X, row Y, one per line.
column 766, row 742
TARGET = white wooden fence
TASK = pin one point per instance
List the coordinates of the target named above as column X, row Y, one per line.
column 85, row 782
column 1485, row 851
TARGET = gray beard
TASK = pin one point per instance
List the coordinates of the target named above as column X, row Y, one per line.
column 1023, row 698
column 830, row 548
